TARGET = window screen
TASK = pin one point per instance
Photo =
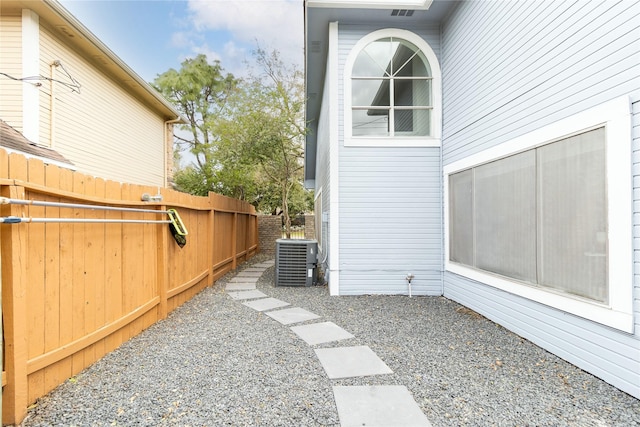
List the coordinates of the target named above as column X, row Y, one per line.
column 539, row 216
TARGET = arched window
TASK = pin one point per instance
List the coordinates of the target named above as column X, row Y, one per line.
column 394, row 83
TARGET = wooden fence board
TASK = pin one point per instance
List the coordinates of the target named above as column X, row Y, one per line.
column 92, row 275
column 100, row 272
column 113, row 267
column 65, row 367
column 52, row 374
column 77, row 279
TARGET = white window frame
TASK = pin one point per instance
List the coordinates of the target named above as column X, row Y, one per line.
column 436, row 111
column 615, row 116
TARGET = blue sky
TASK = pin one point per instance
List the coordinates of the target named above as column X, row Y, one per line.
column 152, row 36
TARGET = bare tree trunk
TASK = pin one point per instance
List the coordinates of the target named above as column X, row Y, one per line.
column 285, row 209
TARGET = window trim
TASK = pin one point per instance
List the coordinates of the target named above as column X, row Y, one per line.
column 616, row 118
column 436, row 108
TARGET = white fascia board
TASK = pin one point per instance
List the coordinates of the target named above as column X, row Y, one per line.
column 372, row 4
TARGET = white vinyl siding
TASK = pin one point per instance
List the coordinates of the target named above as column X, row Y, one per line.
column 503, row 76
column 390, row 203
column 511, row 68
column 103, row 130
column 11, row 64
column 390, row 222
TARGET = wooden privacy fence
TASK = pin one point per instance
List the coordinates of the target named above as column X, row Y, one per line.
column 74, row 291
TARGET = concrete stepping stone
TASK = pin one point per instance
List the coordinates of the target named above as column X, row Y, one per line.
column 318, row 333
column 253, row 269
column 346, row 362
column 265, row 264
column 240, row 286
column 380, row 406
column 242, row 295
column 265, row 304
column 292, row 315
column 244, row 279
column 246, row 273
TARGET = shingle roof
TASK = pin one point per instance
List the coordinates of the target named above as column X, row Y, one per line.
column 14, row 140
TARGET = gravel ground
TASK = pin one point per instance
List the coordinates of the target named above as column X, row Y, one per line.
column 215, row 362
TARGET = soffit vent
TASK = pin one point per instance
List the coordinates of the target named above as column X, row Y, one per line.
column 402, row 12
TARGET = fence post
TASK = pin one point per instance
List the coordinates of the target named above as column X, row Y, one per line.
column 14, row 259
column 163, row 268
column 234, row 241
column 211, row 239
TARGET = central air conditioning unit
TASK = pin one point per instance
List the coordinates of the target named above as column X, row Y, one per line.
column 296, row 262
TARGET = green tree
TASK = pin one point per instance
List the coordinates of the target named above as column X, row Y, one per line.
column 200, row 91
column 267, row 129
column 246, row 135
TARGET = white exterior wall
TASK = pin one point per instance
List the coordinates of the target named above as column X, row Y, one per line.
column 513, row 67
column 389, row 203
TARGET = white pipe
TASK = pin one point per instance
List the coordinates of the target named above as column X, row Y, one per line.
column 7, row 201
column 409, row 278
column 18, row 220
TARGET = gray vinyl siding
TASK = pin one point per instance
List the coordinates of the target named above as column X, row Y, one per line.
column 390, row 204
column 510, row 68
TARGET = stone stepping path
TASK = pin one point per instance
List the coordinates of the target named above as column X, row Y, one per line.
column 320, row 333
column 266, row 304
column 244, row 279
column 346, row 362
column 384, row 405
column 249, row 294
column 240, row 287
column 292, row 315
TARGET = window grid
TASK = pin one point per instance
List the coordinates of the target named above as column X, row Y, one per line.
column 411, row 125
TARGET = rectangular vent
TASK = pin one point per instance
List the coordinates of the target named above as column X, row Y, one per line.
column 316, row 46
column 402, row 12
